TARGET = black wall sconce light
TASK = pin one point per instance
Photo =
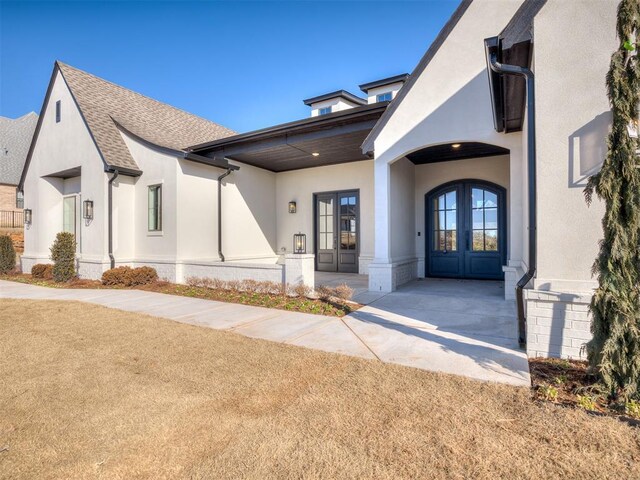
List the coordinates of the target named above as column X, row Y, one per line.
column 87, row 209
column 292, row 207
column 27, row 216
column 299, row 243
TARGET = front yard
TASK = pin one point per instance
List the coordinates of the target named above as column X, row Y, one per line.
column 87, row 391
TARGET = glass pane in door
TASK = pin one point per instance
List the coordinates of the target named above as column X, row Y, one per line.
column 69, row 215
column 348, row 224
column 445, row 225
column 484, row 208
column 325, row 224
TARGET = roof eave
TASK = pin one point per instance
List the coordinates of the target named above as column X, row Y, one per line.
column 321, row 120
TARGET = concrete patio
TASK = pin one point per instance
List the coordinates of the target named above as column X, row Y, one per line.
column 458, row 327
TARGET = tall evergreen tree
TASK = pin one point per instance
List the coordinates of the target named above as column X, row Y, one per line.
column 614, row 351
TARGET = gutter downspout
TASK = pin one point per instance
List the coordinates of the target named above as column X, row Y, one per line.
column 531, row 174
column 220, row 178
column 110, row 217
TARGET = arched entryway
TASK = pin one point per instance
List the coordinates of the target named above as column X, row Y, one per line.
column 466, row 230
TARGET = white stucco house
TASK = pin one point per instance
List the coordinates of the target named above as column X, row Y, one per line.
column 454, row 171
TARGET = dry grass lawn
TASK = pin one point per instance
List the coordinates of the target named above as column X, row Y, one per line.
column 88, row 392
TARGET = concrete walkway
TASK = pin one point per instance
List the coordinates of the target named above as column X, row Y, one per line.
column 381, row 330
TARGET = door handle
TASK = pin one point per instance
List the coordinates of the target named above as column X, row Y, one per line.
column 468, row 235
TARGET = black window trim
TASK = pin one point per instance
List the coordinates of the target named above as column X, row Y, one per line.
column 158, row 198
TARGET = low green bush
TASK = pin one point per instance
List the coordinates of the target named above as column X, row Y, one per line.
column 63, row 254
column 7, row 254
column 42, row 270
column 129, row 277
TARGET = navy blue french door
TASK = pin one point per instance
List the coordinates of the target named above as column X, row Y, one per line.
column 466, row 230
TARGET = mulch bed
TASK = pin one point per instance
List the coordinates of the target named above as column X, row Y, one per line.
column 281, row 302
column 570, row 383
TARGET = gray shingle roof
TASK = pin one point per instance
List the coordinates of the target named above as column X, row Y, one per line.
column 104, row 104
column 15, row 139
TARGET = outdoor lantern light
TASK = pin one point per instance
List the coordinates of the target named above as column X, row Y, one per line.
column 87, row 212
column 299, row 243
column 292, row 207
column 27, row 216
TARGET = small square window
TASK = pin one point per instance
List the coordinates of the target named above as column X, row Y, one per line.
column 58, row 111
column 155, row 208
column 384, row 97
column 324, row 111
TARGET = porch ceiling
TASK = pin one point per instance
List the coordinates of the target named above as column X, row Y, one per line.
column 69, row 173
column 449, row 151
column 335, row 138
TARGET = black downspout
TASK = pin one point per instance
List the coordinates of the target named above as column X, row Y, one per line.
column 110, row 219
column 531, row 173
column 228, row 172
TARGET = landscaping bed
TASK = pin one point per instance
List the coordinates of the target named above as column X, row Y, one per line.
column 329, row 306
column 569, row 383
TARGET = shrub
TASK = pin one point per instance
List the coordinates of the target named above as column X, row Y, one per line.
column 116, row 276
column 632, row 408
column 301, row 290
column 129, row 277
column 323, row 292
column 63, row 254
column 42, row 270
column 7, row 254
column 142, row 276
column 587, row 402
column 548, row 392
column 344, row 292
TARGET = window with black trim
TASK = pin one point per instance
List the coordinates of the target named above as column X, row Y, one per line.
column 58, row 111
column 155, row 208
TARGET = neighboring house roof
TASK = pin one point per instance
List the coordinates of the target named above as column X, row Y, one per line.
column 104, row 105
column 350, row 97
column 15, row 138
column 365, row 87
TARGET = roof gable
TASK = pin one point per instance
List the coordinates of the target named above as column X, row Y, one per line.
column 103, row 105
column 367, row 146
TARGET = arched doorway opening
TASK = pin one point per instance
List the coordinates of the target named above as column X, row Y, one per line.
column 466, row 230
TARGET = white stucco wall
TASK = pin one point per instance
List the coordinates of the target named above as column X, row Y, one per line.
column 62, row 146
column 394, row 88
column 337, row 104
column 300, row 185
column 249, row 215
column 403, row 175
column 572, row 124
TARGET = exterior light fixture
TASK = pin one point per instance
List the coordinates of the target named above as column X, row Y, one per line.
column 455, row 145
column 315, row 154
column 87, row 209
column 27, row 216
column 292, row 207
column 299, row 243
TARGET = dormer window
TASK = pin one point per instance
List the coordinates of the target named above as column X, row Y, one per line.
column 324, row 110
column 383, row 97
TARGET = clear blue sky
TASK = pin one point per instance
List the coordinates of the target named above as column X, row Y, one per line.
column 245, row 65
